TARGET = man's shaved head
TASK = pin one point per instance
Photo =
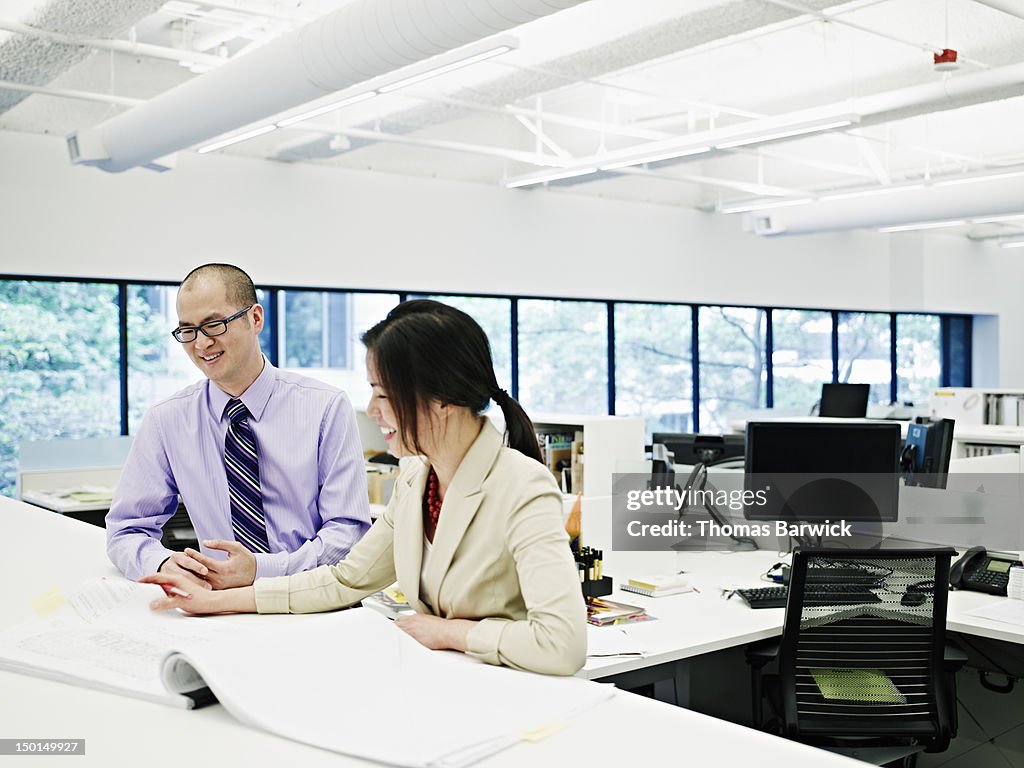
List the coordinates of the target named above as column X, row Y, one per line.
column 239, row 287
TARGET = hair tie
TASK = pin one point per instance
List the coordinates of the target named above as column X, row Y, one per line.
column 500, row 396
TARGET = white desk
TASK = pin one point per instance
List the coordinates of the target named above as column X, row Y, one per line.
column 44, row 550
column 693, row 623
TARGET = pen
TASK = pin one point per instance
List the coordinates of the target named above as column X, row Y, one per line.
column 170, row 589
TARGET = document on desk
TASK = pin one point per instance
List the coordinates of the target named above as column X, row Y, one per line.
column 1009, row 611
column 612, row 641
column 353, row 682
column 105, row 637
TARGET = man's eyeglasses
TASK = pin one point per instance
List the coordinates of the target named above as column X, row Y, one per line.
column 188, row 333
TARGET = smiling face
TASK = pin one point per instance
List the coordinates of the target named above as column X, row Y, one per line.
column 380, row 410
column 232, row 360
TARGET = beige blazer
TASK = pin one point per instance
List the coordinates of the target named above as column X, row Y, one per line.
column 500, row 556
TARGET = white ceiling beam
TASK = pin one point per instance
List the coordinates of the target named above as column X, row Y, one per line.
column 67, row 93
column 835, row 18
column 543, row 138
column 750, row 187
column 519, row 156
column 107, row 44
column 871, row 158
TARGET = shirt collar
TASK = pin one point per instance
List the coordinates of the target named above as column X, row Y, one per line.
column 255, row 397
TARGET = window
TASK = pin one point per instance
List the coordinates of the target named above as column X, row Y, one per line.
column 495, row 317
column 319, row 336
column 918, row 365
column 654, row 365
column 864, row 352
column 59, row 365
column 732, row 364
column 801, row 357
column 60, row 368
column 563, row 357
column 157, row 365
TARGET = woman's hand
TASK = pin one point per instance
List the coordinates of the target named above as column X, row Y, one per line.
column 181, row 593
column 436, row 633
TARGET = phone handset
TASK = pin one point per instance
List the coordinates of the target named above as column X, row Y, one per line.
column 982, row 572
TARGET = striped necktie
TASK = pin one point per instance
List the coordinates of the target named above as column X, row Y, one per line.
column 243, row 469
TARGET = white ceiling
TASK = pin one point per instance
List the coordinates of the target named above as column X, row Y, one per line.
column 603, row 77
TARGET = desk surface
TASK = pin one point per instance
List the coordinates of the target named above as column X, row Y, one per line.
column 57, row 552
column 694, row 623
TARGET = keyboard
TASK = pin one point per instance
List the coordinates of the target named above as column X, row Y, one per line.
column 816, row 594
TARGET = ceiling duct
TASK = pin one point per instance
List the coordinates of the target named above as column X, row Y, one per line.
column 955, row 199
column 359, row 41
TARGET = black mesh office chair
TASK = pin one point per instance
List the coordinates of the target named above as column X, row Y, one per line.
column 863, row 664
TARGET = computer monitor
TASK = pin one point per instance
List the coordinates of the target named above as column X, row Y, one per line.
column 925, row 459
column 816, row 471
column 848, row 401
column 701, row 449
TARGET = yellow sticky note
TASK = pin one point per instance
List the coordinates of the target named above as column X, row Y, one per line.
column 542, row 732
column 48, row 601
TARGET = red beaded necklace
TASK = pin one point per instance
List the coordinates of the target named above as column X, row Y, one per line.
column 432, row 501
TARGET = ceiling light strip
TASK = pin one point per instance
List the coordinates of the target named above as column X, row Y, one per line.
column 237, row 138
column 544, row 178
column 364, row 96
column 783, row 134
column 445, row 68
column 924, row 225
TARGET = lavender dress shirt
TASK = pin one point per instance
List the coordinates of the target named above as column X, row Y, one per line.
column 311, row 473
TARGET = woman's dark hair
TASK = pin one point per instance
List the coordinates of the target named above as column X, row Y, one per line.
column 425, row 350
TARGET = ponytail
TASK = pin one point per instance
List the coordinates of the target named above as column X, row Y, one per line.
column 521, row 434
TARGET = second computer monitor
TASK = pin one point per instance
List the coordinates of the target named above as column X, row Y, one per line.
column 848, row 401
column 812, row 471
column 689, row 448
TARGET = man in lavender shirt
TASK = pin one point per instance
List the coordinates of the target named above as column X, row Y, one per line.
column 310, row 461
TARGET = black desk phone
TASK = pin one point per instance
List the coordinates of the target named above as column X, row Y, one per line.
column 982, row 572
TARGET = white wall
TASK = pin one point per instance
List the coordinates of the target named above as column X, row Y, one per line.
column 310, row 225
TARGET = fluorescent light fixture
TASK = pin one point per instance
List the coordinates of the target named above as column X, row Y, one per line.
column 1012, row 244
column 923, row 225
column 785, row 133
column 326, row 108
column 745, row 207
column 671, row 155
column 443, row 68
column 555, row 176
column 237, row 138
column 870, row 192
column 980, row 177
column 994, row 219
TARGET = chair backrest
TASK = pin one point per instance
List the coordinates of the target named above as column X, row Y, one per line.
column 862, row 646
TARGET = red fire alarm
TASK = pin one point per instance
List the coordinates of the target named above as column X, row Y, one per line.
column 946, row 61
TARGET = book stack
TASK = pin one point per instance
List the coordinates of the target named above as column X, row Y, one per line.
column 658, row 586
column 602, row 612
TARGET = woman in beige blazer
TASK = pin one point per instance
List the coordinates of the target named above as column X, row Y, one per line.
column 473, row 533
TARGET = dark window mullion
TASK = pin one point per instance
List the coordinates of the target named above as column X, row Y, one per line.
column 893, row 382
column 513, row 311
column 611, row 357
column 122, row 319
column 695, row 358
column 769, row 347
